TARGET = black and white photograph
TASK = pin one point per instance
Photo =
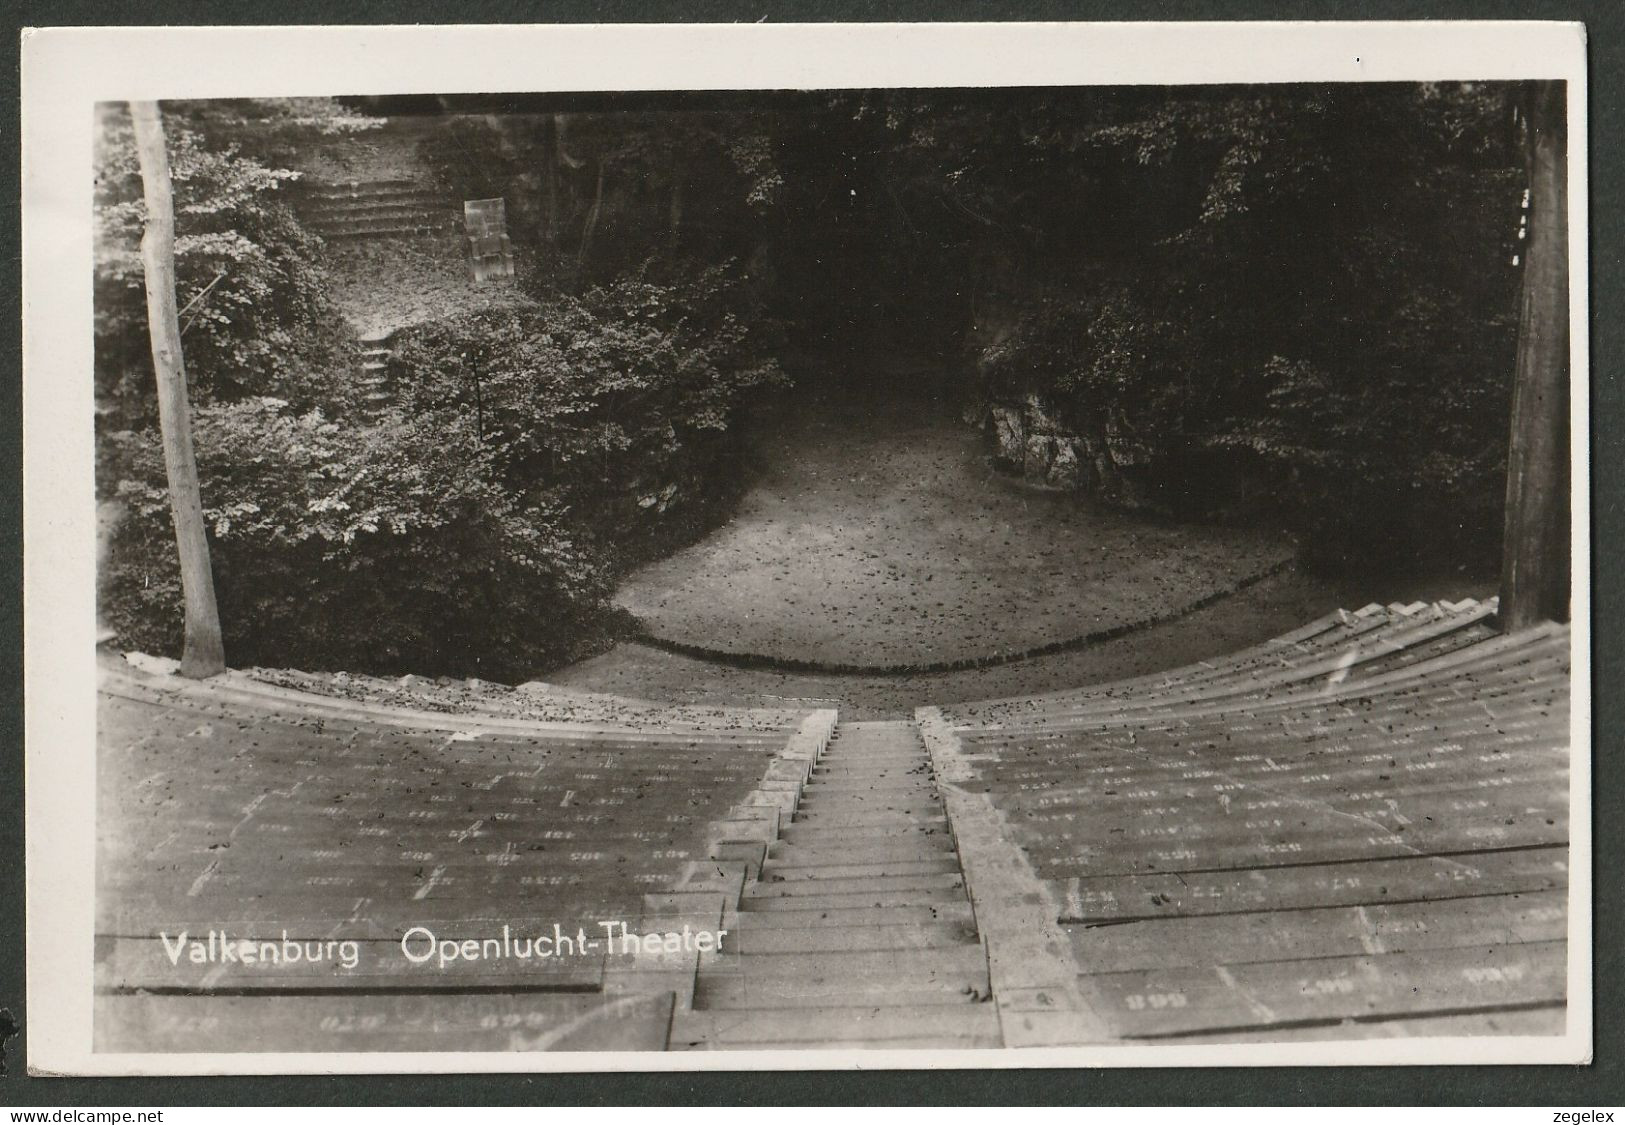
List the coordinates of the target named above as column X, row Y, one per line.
column 700, row 567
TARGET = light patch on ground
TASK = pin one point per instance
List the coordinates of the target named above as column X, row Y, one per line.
column 879, row 537
column 386, row 284
column 1274, row 606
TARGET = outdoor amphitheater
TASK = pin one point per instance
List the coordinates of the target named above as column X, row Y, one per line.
column 922, row 721
column 1356, row 828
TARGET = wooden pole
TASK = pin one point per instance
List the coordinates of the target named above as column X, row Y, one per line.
column 1535, row 549
column 204, row 653
column 550, row 182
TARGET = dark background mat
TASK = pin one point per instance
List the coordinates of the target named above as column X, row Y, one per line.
column 1567, row 1087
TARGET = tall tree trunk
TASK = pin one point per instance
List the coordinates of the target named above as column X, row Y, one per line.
column 592, row 218
column 674, row 229
column 550, row 180
column 1535, row 550
column 204, row 653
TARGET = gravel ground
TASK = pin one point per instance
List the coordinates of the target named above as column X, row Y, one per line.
column 1273, row 606
column 879, row 537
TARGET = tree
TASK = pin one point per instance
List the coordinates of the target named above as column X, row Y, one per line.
column 204, row 653
column 1534, row 565
column 257, row 316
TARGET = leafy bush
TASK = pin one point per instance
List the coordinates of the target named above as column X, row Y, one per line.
column 473, row 527
column 1324, row 294
column 381, row 547
column 256, row 318
column 619, row 405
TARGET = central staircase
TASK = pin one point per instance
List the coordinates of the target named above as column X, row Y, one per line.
column 856, row 930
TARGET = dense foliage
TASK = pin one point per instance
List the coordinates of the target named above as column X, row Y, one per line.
column 473, row 523
column 618, row 405
column 256, row 317
column 339, row 545
column 1305, row 295
column 600, row 195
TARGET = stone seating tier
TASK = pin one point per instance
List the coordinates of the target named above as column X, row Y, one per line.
column 271, row 816
column 1358, row 829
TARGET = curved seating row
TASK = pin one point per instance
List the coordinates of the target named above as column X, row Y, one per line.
column 1359, row 828
column 314, row 834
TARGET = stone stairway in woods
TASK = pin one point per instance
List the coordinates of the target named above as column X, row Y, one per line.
column 398, row 259
column 375, row 209
column 856, row 929
column 376, row 348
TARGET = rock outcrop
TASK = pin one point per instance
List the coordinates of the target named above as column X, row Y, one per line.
column 1030, row 440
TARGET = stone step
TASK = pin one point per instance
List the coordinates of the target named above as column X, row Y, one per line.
column 934, row 1025
column 838, row 816
column 897, row 748
column 892, row 829
column 821, row 898
column 382, row 232
column 418, row 216
column 376, row 204
column 421, row 226
column 843, row 768
column 899, row 802
column 909, row 741
column 868, row 853
column 854, row 939
column 326, row 194
column 878, row 887
column 363, row 207
column 836, row 782
column 886, row 786
column 912, row 766
column 956, row 913
column 842, row 783
column 939, row 862
column 908, row 744
column 840, row 777
column 854, row 804
column 881, row 978
column 370, row 208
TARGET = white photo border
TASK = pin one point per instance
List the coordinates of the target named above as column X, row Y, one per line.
column 66, row 71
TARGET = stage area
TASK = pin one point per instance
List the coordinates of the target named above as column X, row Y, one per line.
column 879, row 536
